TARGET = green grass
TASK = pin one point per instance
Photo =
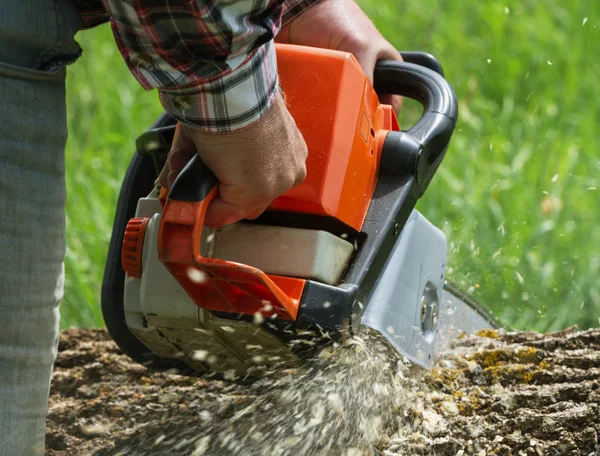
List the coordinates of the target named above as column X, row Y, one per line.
column 518, row 194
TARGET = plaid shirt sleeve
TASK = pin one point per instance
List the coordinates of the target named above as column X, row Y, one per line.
column 213, row 61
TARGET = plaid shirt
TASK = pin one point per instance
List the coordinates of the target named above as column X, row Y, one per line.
column 212, row 61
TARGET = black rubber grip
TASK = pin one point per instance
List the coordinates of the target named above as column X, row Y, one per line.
column 194, row 182
column 416, row 82
column 419, row 150
column 423, row 59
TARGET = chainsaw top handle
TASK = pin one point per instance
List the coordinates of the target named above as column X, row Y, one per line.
column 221, row 285
column 420, row 149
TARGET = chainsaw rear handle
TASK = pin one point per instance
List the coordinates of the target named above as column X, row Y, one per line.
column 194, row 183
column 418, row 151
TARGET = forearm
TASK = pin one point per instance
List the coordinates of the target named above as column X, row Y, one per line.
column 213, row 65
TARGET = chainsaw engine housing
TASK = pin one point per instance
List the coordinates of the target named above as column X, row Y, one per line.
column 344, row 248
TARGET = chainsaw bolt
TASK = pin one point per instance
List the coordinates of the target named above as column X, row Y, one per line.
column 434, row 315
column 423, row 308
column 429, row 308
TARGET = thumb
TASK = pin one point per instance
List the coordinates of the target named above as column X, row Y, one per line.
column 368, row 59
column 221, row 213
column 182, row 151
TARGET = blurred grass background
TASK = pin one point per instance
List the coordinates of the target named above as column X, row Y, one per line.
column 517, row 195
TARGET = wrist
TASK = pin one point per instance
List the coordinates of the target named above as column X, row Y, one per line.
column 249, row 137
column 233, row 101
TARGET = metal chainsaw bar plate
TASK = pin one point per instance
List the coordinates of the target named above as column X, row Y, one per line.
column 411, row 306
column 404, row 303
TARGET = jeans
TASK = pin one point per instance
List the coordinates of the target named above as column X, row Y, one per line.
column 36, row 42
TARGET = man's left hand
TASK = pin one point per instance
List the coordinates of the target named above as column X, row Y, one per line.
column 341, row 25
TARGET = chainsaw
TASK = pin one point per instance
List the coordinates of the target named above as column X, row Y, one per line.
column 345, row 249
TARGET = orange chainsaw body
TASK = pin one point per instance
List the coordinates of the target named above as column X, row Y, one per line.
column 344, row 126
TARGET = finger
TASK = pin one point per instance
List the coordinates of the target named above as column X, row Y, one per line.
column 163, row 177
column 367, row 56
column 178, row 158
column 181, row 152
column 257, row 212
column 221, row 213
column 388, row 52
column 397, row 102
column 171, row 178
column 367, row 60
column 394, row 100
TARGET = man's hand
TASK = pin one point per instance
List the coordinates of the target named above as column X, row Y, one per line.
column 343, row 26
column 253, row 166
column 256, row 165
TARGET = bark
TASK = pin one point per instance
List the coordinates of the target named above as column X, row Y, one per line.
column 496, row 394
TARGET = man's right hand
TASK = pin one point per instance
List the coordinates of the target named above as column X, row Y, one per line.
column 253, row 166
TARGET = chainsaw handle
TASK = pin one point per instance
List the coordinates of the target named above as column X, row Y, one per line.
column 423, row 59
column 419, row 150
column 194, row 183
column 417, row 82
column 212, row 283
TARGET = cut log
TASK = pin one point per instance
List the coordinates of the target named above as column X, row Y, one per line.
column 497, row 393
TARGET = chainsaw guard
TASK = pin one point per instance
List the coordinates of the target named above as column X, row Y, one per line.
column 410, row 304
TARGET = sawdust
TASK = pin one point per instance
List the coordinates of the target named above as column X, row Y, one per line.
column 508, row 394
column 338, row 402
column 497, row 394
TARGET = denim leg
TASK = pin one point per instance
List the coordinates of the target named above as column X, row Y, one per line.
column 32, row 222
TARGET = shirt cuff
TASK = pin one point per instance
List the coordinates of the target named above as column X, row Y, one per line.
column 294, row 8
column 231, row 101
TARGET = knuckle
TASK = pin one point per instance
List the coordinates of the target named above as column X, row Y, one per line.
column 300, row 174
column 303, row 150
column 174, row 151
column 253, row 210
column 287, row 180
column 252, row 215
column 356, row 41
